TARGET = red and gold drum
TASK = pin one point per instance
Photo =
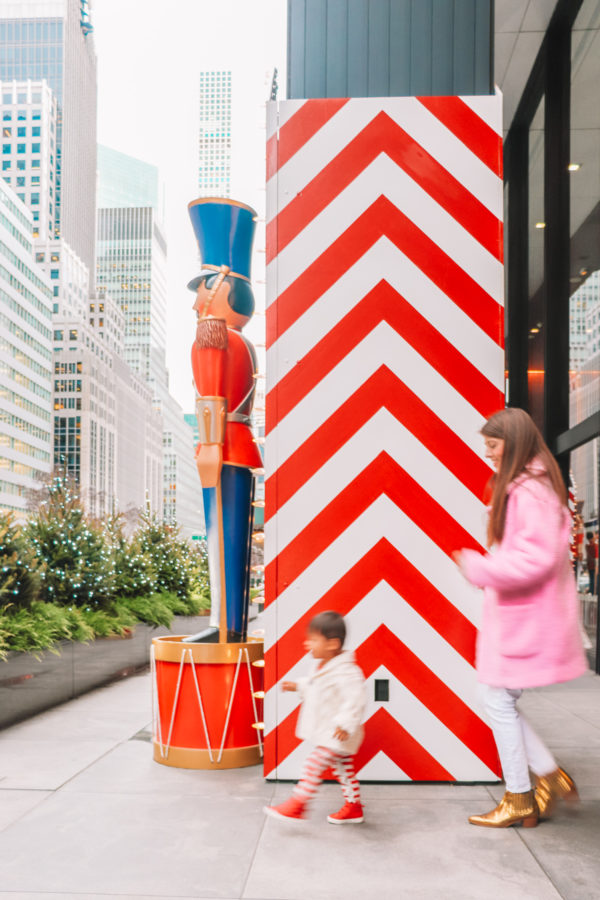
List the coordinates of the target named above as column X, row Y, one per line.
column 207, row 703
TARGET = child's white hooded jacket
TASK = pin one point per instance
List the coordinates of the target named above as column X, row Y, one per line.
column 333, row 697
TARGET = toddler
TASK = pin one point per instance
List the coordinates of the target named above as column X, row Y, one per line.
column 333, row 705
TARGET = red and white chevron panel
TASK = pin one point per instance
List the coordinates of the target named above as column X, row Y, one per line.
column 385, row 356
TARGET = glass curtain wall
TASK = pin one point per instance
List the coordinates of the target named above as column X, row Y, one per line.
column 552, row 165
column 535, row 267
column 584, row 300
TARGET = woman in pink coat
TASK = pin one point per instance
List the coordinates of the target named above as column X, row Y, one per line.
column 529, row 633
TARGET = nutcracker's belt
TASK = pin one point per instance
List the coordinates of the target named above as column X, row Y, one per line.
column 239, row 417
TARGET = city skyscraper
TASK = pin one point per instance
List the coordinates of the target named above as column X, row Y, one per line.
column 52, row 40
column 25, row 358
column 131, row 268
column 214, row 156
column 125, row 181
column 107, row 435
column 29, row 161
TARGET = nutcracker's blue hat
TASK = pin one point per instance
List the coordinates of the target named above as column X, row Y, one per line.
column 224, row 230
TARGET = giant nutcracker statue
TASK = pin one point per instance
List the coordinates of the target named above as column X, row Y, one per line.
column 208, row 687
column 224, row 367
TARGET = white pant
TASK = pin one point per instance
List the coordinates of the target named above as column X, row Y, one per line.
column 519, row 747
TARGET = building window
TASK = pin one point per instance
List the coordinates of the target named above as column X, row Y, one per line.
column 54, row 273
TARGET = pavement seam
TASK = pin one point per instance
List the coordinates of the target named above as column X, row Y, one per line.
column 27, row 811
column 258, row 840
column 539, row 864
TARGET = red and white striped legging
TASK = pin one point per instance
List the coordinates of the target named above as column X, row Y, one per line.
column 343, row 768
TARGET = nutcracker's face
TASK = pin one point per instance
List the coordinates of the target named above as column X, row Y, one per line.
column 216, row 303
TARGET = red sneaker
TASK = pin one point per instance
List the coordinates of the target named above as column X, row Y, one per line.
column 292, row 808
column 349, row 814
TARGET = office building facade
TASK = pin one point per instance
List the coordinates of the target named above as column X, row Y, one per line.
column 29, row 150
column 131, row 267
column 125, row 181
column 53, row 40
column 214, row 146
column 25, row 359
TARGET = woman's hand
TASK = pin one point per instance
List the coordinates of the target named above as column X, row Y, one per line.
column 289, row 686
column 458, row 559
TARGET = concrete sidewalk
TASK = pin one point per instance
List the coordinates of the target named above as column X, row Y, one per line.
column 86, row 813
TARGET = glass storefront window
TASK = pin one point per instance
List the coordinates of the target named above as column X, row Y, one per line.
column 584, row 182
column 536, row 225
column 584, row 487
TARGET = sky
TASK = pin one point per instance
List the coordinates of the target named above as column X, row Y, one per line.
column 149, row 56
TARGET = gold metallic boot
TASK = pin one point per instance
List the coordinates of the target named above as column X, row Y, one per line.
column 549, row 789
column 513, row 809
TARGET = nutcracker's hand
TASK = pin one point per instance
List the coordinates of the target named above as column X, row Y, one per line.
column 209, row 461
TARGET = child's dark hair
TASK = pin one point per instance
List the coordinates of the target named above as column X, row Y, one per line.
column 330, row 624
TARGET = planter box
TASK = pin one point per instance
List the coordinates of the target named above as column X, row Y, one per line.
column 29, row 685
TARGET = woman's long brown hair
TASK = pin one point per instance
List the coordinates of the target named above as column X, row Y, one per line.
column 523, row 443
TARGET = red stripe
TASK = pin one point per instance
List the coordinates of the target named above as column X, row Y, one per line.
column 383, row 135
column 469, row 128
column 382, row 476
column 385, row 304
column 280, row 742
column 382, row 390
column 381, row 563
column 299, row 129
column 382, row 218
column 382, row 648
column 384, row 734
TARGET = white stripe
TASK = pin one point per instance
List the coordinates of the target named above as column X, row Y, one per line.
column 417, row 121
column 382, row 432
column 382, row 519
column 382, row 346
column 487, row 108
column 383, row 177
column 382, row 768
column 384, row 260
column 289, row 108
column 448, row 750
column 422, row 725
column 383, row 606
column 272, row 108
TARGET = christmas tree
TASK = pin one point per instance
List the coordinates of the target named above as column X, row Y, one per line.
column 134, row 568
column 19, row 582
column 76, row 565
column 179, row 569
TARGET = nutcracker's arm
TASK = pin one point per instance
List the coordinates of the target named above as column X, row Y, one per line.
column 209, row 354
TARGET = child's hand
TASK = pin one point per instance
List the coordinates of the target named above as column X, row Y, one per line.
column 340, row 735
column 289, row 686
